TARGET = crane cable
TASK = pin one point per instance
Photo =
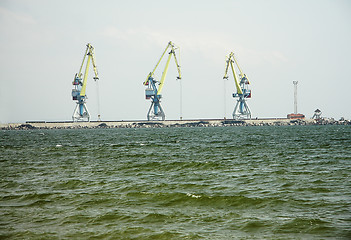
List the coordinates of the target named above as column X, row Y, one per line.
column 180, row 92
column 224, row 98
column 181, row 102
column 98, row 100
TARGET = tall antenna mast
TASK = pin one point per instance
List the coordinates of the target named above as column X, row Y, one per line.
column 295, row 115
column 295, row 96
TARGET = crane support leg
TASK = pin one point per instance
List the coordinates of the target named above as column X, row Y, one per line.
column 241, row 110
column 155, row 111
column 81, row 112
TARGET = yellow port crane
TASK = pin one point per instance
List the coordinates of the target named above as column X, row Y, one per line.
column 81, row 112
column 152, row 91
column 241, row 109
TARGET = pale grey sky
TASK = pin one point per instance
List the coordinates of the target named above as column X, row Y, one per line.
column 276, row 42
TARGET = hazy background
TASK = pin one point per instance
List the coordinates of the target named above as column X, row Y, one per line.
column 276, row 42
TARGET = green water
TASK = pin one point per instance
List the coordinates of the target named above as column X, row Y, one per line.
column 286, row 182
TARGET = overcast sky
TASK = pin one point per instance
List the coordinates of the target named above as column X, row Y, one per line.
column 42, row 44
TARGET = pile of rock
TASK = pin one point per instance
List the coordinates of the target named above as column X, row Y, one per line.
column 332, row 121
column 19, row 127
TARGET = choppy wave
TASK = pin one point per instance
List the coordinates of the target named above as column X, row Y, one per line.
column 183, row 183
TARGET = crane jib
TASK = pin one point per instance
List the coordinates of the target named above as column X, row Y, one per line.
column 164, row 74
column 82, row 92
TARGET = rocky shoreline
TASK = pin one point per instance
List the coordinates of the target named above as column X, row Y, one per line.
column 170, row 123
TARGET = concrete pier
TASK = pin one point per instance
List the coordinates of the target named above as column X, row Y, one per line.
column 167, row 123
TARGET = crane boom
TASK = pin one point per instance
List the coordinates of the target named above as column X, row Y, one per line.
column 84, row 87
column 164, row 74
column 178, row 67
column 173, row 48
column 238, row 88
column 241, row 72
column 153, row 71
column 81, row 66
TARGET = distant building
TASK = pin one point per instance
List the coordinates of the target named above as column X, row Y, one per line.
column 296, row 116
column 317, row 114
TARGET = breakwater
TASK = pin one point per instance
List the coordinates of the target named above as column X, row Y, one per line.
column 169, row 123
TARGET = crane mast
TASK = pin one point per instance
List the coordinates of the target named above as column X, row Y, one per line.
column 81, row 112
column 241, row 109
column 153, row 91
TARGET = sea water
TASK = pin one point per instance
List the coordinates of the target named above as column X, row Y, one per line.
column 266, row 182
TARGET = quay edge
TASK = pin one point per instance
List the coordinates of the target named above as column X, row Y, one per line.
column 167, row 123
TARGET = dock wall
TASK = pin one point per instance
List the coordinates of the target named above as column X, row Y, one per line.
column 167, row 123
